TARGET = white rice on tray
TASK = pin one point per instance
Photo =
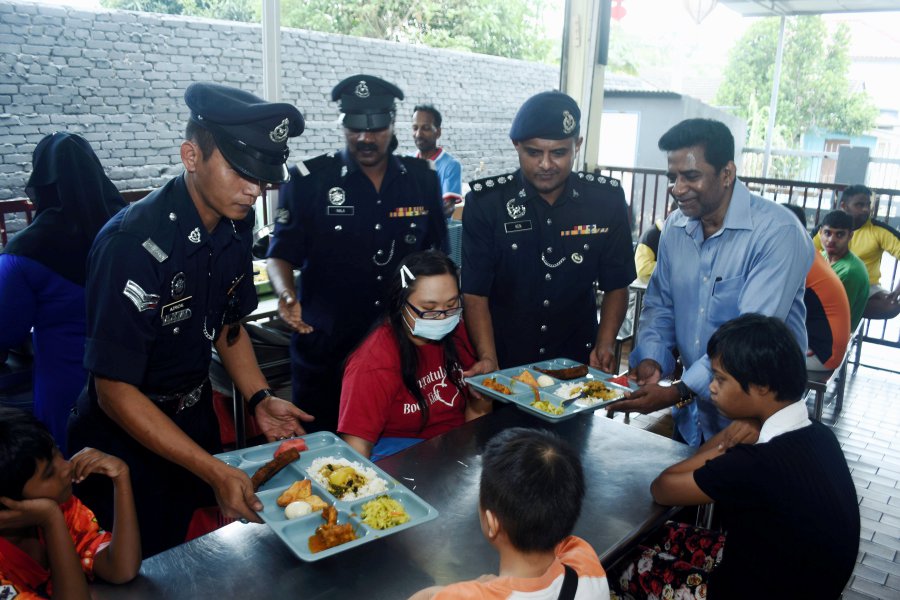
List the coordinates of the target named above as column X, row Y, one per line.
column 374, row 484
column 568, row 390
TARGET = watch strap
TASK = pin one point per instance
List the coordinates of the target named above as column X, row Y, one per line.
column 258, row 397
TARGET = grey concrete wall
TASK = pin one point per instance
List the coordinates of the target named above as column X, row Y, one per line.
column 117, row 78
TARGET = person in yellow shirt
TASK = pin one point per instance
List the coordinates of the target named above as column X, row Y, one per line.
column 871, row 239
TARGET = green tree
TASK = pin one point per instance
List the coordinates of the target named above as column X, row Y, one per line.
column 510, row 28
column 814, row 92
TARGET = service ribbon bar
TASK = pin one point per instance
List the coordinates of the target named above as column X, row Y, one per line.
column 408, row 211
column 581, row 230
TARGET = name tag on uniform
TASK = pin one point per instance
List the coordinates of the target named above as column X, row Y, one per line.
column 176, row 311
column 517, row 226
column 341, row 211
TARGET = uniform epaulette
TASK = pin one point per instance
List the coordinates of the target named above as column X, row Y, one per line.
column 598, row 179
column 311, row 165
column 489, row 183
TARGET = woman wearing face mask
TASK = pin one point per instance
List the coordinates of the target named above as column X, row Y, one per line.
column 404, row 384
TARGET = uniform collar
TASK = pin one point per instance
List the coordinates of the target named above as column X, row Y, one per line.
column 349, row 165
column 790, row 418
column 190, row 229
column 569, row 192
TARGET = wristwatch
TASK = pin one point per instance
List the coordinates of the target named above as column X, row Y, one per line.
column 685, row 395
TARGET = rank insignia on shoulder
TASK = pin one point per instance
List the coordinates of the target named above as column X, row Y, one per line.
column 141, row 299
column 477, row 187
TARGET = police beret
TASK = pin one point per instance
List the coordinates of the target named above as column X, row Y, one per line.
column 366, row 101
column 548, row 115
column 250, row 133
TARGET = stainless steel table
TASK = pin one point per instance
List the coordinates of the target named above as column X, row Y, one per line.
column 249, row 561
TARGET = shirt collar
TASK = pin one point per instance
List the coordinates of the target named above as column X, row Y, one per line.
column 738, row 216
column 531, row 192
column 349, row 165
column 190, row 226
column 790, row 418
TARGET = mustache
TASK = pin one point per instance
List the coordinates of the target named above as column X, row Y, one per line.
column 366, row 147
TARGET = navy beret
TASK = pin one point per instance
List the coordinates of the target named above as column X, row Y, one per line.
column 366, row 101
column 548, row 115
column 250, row 133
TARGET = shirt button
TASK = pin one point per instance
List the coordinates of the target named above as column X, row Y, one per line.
column 515, row 246
column 546, row 303
column 706, row 279
column 587, row 247
column 588, row 345
column 379, row 278
column 412, row 225
column 176, row 330
column 549, row 249
column 338, row 227
column 173, row 217
column 378, row 202
column 543, row 329
column 377, row 226
column 701, row 311
column 380, row 253
column 548, row 277
column 549, row 221
column 542, row 351
column 378, row 303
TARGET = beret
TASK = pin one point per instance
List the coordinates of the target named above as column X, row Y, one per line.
column 250, row 133
column 548, row 115
column 366, row 101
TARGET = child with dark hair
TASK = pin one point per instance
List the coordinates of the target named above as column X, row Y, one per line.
column 51, row 543
column 787, row 502
column 404, row 382
column 532, row 486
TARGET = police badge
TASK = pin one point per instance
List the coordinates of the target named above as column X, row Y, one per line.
column 362, row 90
column 336, row 196
column 515, row 211
column 280, row 133
column 568, row 122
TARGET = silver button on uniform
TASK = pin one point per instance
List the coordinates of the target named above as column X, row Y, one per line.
column 546, row 303
column 548, row 277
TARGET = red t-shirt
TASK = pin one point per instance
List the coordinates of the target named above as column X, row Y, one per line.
column 376, row 404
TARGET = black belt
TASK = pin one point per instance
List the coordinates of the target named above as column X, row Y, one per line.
column 179, row 401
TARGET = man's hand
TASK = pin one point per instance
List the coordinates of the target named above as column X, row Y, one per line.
column 36, row 512
column 89, row 461
column 487, row 365
column 604, row 358
column 650, row 398
column 647, row 371
column 279, row 419
column 291, row 313
column 234, row 493
column 741, row 431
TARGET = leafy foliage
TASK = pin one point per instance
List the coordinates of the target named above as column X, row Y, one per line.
column 510, row 28
column 814, row 91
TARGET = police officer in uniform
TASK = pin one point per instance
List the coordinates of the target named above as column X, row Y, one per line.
column 346, row 220
column 535, row 240
column 169, row 277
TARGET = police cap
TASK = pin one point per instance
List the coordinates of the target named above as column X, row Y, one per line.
column 549, row 116
column 250, row 133
column 366, row 101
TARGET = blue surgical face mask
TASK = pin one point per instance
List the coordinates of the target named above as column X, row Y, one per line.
column 432, row 329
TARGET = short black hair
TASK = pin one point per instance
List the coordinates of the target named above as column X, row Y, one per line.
column 23, row 441
column 432, row 110
column 714, row 136
column 798, row 212
column 203, row 137
column 760, row 350
column 855, row 190
column 837, row 219
column 532, row 481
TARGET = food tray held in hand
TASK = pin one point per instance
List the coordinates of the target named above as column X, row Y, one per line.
column 296, row 533
column 523, row 395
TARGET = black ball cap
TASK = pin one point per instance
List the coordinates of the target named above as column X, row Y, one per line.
column 366, row 101
column 548, row 116
column 251, row 133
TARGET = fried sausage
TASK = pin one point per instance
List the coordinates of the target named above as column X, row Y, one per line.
column 565, row 374
column 271, row 468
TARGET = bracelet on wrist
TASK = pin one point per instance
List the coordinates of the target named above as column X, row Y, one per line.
column 257, row 398
column 686, row 395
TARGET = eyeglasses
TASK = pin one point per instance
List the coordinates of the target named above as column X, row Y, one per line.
column 436, row 314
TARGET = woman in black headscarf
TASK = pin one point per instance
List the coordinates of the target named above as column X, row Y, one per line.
column 42, row 271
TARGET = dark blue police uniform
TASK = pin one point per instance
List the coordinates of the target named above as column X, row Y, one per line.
column 537, row 262
column 347, row 239
column 160, row 290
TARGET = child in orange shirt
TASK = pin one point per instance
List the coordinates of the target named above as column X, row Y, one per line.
column 50, row 543
column 532, row 486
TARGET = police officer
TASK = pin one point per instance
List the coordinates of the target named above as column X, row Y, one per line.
column 169, row 277
column 346, row 220
column 535, row 240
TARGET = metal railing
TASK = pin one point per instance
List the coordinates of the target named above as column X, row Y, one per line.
column 807, row 165
column 646, row 191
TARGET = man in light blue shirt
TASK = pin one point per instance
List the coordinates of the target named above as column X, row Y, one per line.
column 426, row 132
column 725, row 252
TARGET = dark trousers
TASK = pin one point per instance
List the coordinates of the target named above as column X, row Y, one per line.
column 165, row 494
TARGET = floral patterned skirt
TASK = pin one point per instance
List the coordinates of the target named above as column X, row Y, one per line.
column 675, row 564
